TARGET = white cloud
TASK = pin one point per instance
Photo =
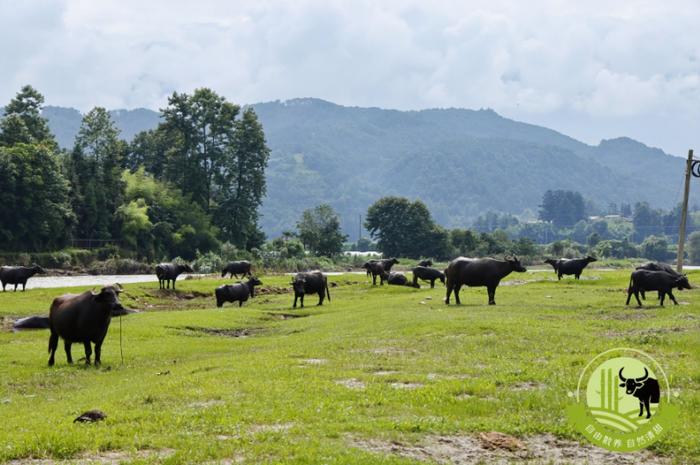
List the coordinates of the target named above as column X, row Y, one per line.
column 594, row 69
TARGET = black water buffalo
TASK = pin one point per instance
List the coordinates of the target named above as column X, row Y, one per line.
column 476, row 272
column 18, row 275
column 83, row 318
column 644, row 280
column 167, row 272
column 396, row 278
column 573, row 266
column 236, row 292
column 644, row 388
column 386, row 265
column 554, row 263
column 235, row 268
column 427, row 274
column 654, row 266
column 425, row 263
column 310, row 282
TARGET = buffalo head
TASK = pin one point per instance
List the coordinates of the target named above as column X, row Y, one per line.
column 590, row 259
column 108, row 297
column 393, row 261
column 682, row 283
column 254, row 281
column 515, row 264
column 187, row 268
column 298, row 285
column 37, row 269
column 632, row 384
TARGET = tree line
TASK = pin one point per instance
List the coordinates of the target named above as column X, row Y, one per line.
column 195, row 181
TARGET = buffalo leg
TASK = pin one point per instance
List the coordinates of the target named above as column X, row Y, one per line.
column 67, row 346
column 321, row 296
column 457, row 301
column 636, row 295
column 559, row 274
column 374, row 279
column 302, row 300
column 53, row 345
column 88, row 352
column 432, row 284
column 3, row 286
column 240, row 303
column 646, row 405
column 15, row 287
column 449, row 292
column 641, row 408
column 629, row 295
column 663, row 296
column 492, row 295
column 98, row 352
column 24, row 286
column 578, row 276
column 672, row 297
column 295, row 301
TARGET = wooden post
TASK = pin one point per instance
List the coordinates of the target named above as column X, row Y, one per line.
column 684, row 212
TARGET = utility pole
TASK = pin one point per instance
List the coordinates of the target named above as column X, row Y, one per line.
column 684, row 211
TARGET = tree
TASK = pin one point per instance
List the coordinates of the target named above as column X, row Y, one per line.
column 35, row 213
column 319, row 231
column 404, row 228
column 241, row 181
column 95, row 173
column 563, row 208
column 22, row 122
column 655, row 248
column 694, row 248
column 646, row 221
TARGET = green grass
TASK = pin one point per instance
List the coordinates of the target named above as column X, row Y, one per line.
column 212, row 397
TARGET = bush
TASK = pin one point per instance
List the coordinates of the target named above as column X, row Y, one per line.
column 120, row 266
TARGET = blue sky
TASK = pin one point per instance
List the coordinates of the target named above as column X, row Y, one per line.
column 590, row 69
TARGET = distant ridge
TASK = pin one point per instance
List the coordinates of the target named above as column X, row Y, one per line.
column 460, row 162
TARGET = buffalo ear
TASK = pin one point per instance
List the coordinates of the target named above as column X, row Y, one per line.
column 622, row 384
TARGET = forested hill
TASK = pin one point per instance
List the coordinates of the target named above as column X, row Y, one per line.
column 460, row 162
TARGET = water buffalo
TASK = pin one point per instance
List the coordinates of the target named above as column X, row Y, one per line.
column 475, row 272
column 573, row 266
column 386, row 263
column 653, row 266
column 83, row 318
column 167, row 272
column 427, row 274
column 396, row 278
column 644, row 280
column 310, row 282
column 425, row 263
column 235, row 268
column 643, row 388
column 236, row 292
column 18, row 275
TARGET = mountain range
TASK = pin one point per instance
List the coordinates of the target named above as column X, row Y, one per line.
column 460, row 162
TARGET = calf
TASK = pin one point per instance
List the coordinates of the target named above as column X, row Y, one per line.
column 386, row 265
column 554, row 263
column 644, row 280
column 236, row 292
column 241, row 267
column 644, row 388
column 427, row 274
column 167, row 272
column 425, row 263
column 310, row 282
column 573, row 266
column 83, row 318
column 18, row 275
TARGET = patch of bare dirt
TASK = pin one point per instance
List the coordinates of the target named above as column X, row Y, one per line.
column 285, row 316
column 653, row 332
column 384, row 372
column 528, row 386
column 272, row 428
column 272, row 290
column 352, row 383
column 226, row 332
column 114, row 457
column 204, row 404
column 315, row 361
column 6, row 323
column 406, row 385
column 496, row 448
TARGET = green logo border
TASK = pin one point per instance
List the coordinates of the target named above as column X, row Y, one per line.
column 608, row 438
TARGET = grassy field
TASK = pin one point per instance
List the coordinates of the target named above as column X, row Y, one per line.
column 335, row 384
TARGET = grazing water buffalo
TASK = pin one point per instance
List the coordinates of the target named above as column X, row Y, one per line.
column 18, row 275
column 427, row 274
column 652, row 266
column 83, row 318
column 235, row 268
column 379, row 268
column 310, row 282
column 476, row 272
column 644, row 280
column 643, row 388
column 425, row 263
column 573, row 266
column 167, row 272
column 236, row 292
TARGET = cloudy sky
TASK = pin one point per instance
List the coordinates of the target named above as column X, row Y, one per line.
column 588, row 69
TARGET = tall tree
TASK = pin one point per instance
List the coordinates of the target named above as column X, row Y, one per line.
column 563, row 208
column 241, row 183
column 95, row 173
column 319, row 231
column 23, row 123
